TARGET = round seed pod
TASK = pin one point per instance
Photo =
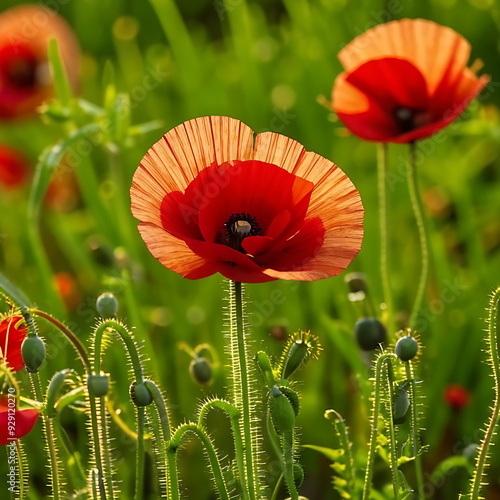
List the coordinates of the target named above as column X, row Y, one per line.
column 98, row 385
column 33, row 352
column 406, row 348
column 400, row 405
column 200, row 370
column 370, row 333
column 281, row 411
column 140, row 394
column 107, row 305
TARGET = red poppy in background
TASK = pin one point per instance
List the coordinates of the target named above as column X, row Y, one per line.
column 25, row 80
column 11, row 339
column 24, row 421
column 456, row 396
column 210, row 201
column 404, row 80
column 67, row 287
column 13, row 168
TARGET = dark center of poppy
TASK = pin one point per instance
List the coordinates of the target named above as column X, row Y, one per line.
column 21, row 72
column 405, row 118
column 238, row 227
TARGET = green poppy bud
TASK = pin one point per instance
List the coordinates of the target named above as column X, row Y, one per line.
column 298, row 475
column 293, row 397
column 281, row 411
column 370, row 333
column 356, row 282
column 140, row 394
column 55, row 385
column 264, row 364
column 200, row 370
column 107, row 305
column 400, row 404
column 406, row 348
column 296, row 356
column 33, row 352
column 97, row 385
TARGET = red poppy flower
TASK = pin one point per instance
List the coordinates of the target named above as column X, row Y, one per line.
column 403, row 81
column 210, row 201
column 11, row 339
column 13, row 168
column 25, row 81
column 14, row 423
column 67, row 287
column 456, row 396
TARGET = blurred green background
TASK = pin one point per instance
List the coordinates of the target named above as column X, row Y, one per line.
column 267, row 63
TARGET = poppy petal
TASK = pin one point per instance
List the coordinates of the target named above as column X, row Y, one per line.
column 180, row 155
column 11, row 339
column 173, row 253
column 24, row 421
column 437, row 51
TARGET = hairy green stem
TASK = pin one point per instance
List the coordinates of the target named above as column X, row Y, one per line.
column 287, row 442
column 416, row 203
column 243, row 385
column 20, row 469
column 392, row 431
column 97, row 446
column 379, row 373
column 482, row 458
column 49, row 439
column 209, row 447
column 382, row 202
column 234, row 417
column 139, row 477
column 69, row 335
column 414, row 439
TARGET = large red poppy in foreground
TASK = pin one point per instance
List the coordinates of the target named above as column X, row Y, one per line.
column 12, row 334
column 210, row 201
column 25, row 80
column 14, row 423
column 403, row 81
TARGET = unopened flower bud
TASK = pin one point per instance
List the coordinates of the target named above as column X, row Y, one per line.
column 140, row 394
column 265, row 367
column 97, row 385
column 33, row 352
column 292, row 396
column 400, row 404
column 296, row 356
column 200, row 370
column 370, row 333
column 107, row 305
column 356, row 282
column 281, row 411
column 406, row 348
column 298, row 475
column 55, row 385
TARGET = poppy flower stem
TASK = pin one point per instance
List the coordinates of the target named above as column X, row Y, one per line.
column 381, row 376
column 414, row 439
column 382, row 151
column 242, row 384
column 416, row 204
column 49, row 438
column 287, row 441
column 482, row 458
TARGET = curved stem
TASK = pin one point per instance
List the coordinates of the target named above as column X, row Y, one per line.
column 243, row 385
column 69, row 335
column 234, row 417
column 482, row 458
column 414, row 430
column 277, row 488
column 382, row 202
column 209, row 447
column 416, row 204
column 287, row 441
